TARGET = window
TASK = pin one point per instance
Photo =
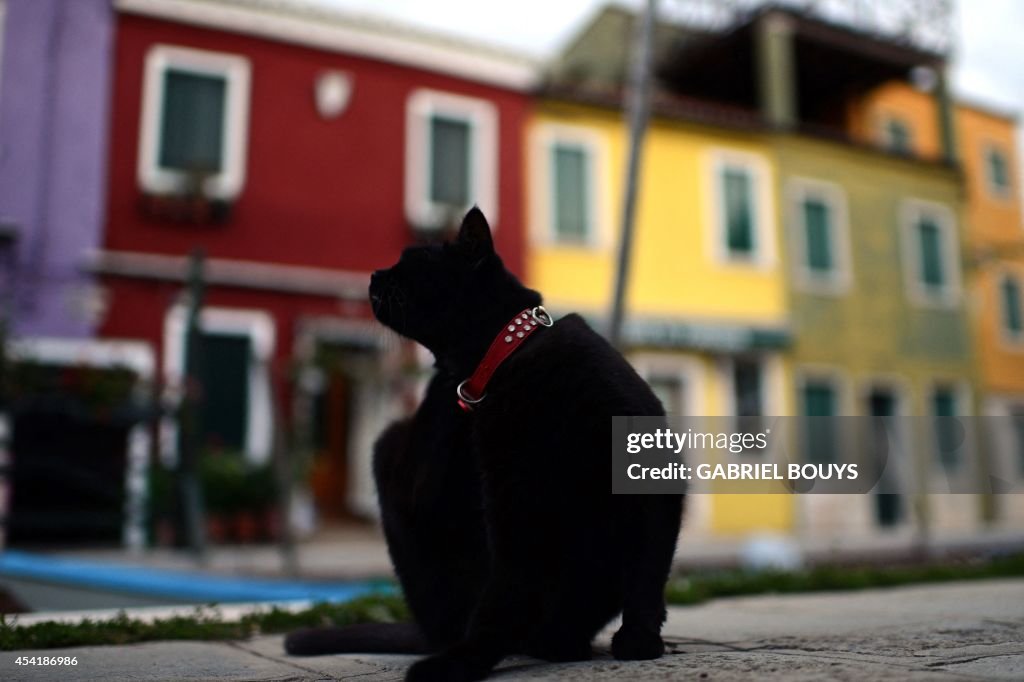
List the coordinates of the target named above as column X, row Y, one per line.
column 997, row 169
column 566, row 163
column 451, row 158
column 748, row 397
column 944, row 409
column 931, row 257
column 194, row 122
column 570, row 165
column 820, row 405
column 932, row 272
column 450, row 140
column 741, row 212
column 898, row 137
column 1012, row 315
column 819, row 229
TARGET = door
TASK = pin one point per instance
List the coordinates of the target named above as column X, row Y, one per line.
column 882, row 402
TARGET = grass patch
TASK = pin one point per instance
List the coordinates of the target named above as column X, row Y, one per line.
column 700, row 587
column 206, row 623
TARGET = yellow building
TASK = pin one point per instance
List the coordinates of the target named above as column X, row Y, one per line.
column 707, row 295
column 801, row 243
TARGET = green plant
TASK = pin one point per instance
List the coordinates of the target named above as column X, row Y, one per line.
column 232, row 485
column 700, row 587
column 205, row 623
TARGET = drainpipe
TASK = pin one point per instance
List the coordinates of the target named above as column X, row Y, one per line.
column 944, row 108
column 776, row 70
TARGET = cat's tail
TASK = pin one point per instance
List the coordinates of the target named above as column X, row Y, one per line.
column 362, row 638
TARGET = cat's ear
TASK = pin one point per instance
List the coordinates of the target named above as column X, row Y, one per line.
column 475, row 234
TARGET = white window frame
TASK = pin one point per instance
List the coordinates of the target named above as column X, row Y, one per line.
column 839, row 280
column 259, row 327
column 1010, row 341
column 482, row 117
column 1000, row 193
column 911, row 211
column 545, row 138
column 756, row 165
column 228, row 183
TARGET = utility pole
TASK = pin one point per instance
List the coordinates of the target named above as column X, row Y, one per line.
column 637, row 103
column 190, row 492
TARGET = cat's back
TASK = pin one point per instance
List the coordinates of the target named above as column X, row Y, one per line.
column 573, row 366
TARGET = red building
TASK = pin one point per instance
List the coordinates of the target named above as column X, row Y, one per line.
column 300, row 150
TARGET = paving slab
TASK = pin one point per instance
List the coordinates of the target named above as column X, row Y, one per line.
column 952, row 631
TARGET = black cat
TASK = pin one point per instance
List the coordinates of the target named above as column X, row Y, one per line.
column 500, row 521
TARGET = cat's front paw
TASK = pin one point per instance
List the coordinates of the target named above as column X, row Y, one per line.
column 444, row 667
column 636, row 644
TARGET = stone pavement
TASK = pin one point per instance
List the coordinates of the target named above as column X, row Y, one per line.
column 953, row 631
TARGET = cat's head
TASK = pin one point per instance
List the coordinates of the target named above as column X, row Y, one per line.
column 436, row 293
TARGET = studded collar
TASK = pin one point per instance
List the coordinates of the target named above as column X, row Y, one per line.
column 512, row 335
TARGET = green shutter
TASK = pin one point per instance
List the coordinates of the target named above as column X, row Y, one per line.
column 1017, row 420
column 819, row 400
column 818, row 236
column 192, row 124
column 449, row 161
column 571, row 193
column 1011, row 306
column 899, row 136
column 747, row 388
column 739, row 214
column 930, row 242
column 224, row 361
column 998, row 170
column 820, row 433
column 944, row 403
column 746, row 383
column 946, row 431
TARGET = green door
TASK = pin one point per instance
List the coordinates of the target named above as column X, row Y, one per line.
column 224, row 377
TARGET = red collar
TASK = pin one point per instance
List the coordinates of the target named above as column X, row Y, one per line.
column 512, row 335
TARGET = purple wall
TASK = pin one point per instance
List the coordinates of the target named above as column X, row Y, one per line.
column 54, row 97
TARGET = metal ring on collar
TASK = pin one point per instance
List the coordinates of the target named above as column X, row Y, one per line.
column 460, row 391
column 542, row 316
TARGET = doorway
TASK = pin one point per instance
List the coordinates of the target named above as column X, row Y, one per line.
column 888, row 507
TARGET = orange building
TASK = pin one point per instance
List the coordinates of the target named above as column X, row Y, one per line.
column 906, row 120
